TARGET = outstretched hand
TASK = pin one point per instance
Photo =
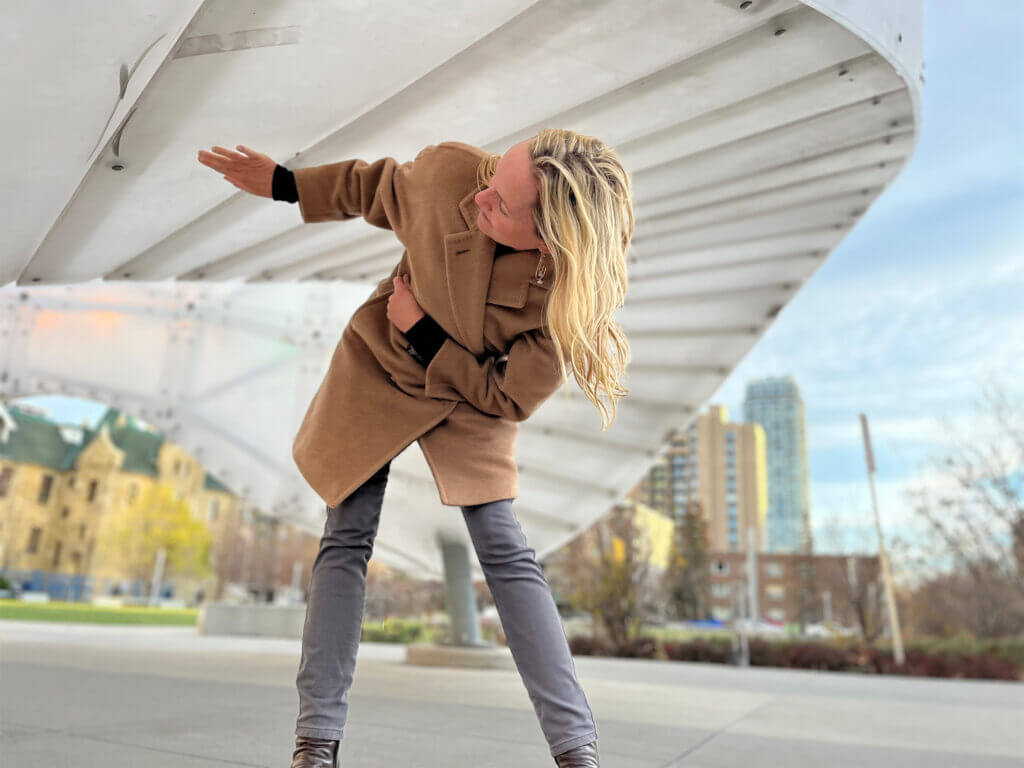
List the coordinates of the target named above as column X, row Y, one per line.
column 403, row 309
column 250, row 171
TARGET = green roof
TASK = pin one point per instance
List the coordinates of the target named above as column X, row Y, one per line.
column 38, row 440
column 140, row 446
column 211, row 483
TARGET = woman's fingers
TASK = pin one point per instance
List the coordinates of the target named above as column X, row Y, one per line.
column 215, row 161
column 223, row 160
column 252, row 172
column 228, row 153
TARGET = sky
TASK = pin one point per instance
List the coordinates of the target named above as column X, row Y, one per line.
column 923, row 301
column 918, row 306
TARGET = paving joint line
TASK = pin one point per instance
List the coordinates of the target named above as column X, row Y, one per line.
column 676, row 762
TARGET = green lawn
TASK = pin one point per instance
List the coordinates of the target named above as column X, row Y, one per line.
column 84, row 612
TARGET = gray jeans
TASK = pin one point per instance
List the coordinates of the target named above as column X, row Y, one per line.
column 522, row 596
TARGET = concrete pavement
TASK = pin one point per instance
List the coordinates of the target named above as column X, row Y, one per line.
column 100, row 695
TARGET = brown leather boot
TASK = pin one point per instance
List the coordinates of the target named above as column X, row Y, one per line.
column 583, row 756
column 316, row 753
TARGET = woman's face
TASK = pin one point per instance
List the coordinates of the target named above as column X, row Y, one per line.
column 505, row 206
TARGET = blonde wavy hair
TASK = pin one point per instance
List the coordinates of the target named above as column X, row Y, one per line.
column 584, row 214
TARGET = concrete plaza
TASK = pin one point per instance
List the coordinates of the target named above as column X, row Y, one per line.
column 112, row 696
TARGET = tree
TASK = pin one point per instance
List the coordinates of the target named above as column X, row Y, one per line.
column 808, row 594
column 609, row 574
column 159, row 520
column 227, row 552
column 974, row 513
column 858, row 576
column 687, row 575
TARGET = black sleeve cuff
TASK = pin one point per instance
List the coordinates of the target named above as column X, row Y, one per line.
column 426, row 337
column 283, row 185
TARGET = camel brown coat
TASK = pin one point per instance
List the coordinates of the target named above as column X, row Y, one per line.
column 497, row 366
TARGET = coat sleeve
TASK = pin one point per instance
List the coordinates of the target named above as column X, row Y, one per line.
column 512, row 386
column 378, row 191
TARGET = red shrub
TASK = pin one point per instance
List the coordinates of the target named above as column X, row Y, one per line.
column 638, row 648
column 699, row 650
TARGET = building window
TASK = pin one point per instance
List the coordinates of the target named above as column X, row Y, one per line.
column 45, row 488
column 720, row 567
column 56, row 554
column 93, row 485
column 773, row 570
column 721, row 590
column 81, row 531
column 5, row 480
column 775, row 592
column 777, row 614
column 33, row 540
column 133, row 492
column 212, row 514
column 65, row 512
column 177, row 467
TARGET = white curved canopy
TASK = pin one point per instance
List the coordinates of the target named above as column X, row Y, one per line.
column 757, row 134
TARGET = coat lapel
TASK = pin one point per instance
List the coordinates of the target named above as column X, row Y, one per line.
column 469, row 264
column 468, row 261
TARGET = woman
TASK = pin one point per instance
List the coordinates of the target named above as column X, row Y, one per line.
column 472, row 331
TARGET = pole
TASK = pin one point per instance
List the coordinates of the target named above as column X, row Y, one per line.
column 158, row 577
column 246, row 535
column 755, row 609
column 295, row 592
column 890, row 599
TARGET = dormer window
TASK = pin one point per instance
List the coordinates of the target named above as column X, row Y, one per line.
column 7, row 424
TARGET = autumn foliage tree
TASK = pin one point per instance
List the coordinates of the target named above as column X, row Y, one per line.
column 158, row 520
column 685, row 580
column 610, row 577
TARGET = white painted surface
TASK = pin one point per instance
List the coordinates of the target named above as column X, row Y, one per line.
column 751, row 158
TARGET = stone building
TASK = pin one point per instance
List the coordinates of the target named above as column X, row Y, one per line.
column 59, row 483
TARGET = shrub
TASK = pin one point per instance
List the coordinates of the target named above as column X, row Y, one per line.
column 987, row 666
column 392, row 631
column 493, row 632
column 638, row 648
column 699, row 650
column 765, row 653
column 816, row 656
column 923, row 659
column 584, row 645
column 923, row 664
